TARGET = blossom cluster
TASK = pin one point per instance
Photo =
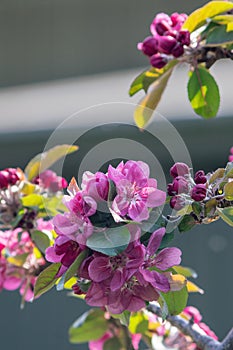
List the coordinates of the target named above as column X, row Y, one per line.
column 168, row 39
column 124, row 279
column 21, row 260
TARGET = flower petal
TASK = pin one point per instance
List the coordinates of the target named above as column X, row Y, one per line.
column 155, row 241
column 167, row 258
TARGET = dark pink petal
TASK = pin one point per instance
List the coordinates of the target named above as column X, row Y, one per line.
column 155, row 197
column 155, row 241
column 115, row 305
column 135, row 302
column 64, row 225
column 136, row 257
column 51, row 256
column 118, row 280
column 83, row 269
column 115, row 174
column 96, row 296
column 157, row 280
column 146, row 293
column 167, row 258
column 100, row 269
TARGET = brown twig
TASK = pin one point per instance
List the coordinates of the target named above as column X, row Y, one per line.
column 204, row 342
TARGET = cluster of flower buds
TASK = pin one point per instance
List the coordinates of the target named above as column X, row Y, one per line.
column 168, row 39
column 48, row 180
column 119, row 280
column 8, row 177
column 184, row 189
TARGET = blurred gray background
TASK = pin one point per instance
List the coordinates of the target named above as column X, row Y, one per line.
column 58, row 57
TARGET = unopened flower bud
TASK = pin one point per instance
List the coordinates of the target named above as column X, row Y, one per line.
column 180, row 185
column 149, row 46
column 158, row 61
column 167, row 44
column 198, row 192
column 178, row 50
column 177, row 202
column 184, row 37
column 162, row 18
column 13, row 176
column 3, row 179
column 170, row 190
column 179, row 169
column 162, row 27
column 200, row 177
column 178, row 20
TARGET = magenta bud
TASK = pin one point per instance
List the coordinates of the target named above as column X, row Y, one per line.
column 158, row 61
column 184, row 37
column 200, row 177
column 177, row 202
column 12, row 176
column 160, row 18
column 198, row 192
column 170, row 190
column 178, row 19
column 149, row 46
column 3, row 179
column 178, row 50
column 180, row 185
column 162, row 27
column 166, row 44
column 231, row 158
column 179, row 169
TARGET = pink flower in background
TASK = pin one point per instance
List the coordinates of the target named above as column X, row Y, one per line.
column 231, row 155
column 50, row 181
column 99, row 344
column 95, row 185
column 136, row 192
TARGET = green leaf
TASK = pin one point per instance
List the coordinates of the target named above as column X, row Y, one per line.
column 146, row 78
column 90, row 326
column 197, row 208
column 186, row 223
column 138, row 323
column 46, row 279
column 200, row 16
column 112, row 344
column 18, row 260
column 44, row 160
column 163, row 306
column 229, row 170
column 218, row 174
column 219, row 36
column 228, row 191
column 111, row 242
column 72, row 270
column 148, row 104
column 203, row 93
column 124, row 317
column 185, row 271
column 226, row 214
column 176, row 301
column 33, row 200
column 41, row 240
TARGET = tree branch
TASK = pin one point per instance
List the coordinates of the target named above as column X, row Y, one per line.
column 204, row 342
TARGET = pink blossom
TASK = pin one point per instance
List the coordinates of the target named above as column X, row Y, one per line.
column 99, row 344
column 136, row 192
column 76, row 224
column 49, row 180
column 231, row 155
column 95, row 185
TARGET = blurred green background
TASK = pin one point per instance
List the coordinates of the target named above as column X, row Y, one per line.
column 48, row 40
